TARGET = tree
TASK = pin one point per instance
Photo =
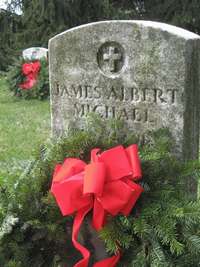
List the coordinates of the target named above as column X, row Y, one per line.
column 9, row 25
column 182, row 13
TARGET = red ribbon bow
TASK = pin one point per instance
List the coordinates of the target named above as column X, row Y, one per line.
column 106, row 185
column 30, row 70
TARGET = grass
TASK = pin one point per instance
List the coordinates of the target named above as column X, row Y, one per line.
column 24, row 125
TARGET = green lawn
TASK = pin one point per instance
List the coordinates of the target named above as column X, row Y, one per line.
column 24, row 125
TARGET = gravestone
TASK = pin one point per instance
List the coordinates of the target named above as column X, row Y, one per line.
column 34, row 53
column 146, row 73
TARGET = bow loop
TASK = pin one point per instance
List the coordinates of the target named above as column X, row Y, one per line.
column 116, row 162
column 115, row 196
column 69, row 168
column 27, row 68
column 94, row 178
column 94, row 155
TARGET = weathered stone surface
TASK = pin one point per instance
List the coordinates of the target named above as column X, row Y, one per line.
column 146, row 73
column 33, row 53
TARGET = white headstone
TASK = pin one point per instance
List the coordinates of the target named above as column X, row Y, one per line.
column 34, row 53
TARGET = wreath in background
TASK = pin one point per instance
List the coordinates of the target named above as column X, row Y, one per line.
column 29, row 79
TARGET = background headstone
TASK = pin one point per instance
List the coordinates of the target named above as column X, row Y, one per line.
column 34, row 53
column 146, row 73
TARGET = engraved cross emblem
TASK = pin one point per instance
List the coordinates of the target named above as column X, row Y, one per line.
column 112, row 57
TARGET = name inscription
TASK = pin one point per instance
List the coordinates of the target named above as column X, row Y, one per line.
column 111, row 102
column 130, row 94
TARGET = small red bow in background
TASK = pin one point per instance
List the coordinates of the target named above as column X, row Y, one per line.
column 30, row 70
column 106, row 185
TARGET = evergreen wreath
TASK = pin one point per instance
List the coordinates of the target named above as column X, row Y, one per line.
column 15, row 77
column 162, row 230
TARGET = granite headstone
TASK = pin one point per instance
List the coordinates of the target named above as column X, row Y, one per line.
column 146, row 73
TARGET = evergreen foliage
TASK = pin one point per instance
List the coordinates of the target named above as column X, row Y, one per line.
column 163, row 229
column 15, row 77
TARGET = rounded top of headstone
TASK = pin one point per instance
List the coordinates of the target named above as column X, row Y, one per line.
column 33, row 53
column 177, row 31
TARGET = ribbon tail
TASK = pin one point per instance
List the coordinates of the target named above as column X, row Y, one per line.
column 76, row 227
column 109, row 262
column 132, row 153
column 29, row 82
column 99, row 216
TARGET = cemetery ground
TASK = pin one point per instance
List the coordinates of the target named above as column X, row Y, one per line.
column 24, row 125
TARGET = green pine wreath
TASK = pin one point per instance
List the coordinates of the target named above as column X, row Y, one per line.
column 15, row 77
column 162, row 230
